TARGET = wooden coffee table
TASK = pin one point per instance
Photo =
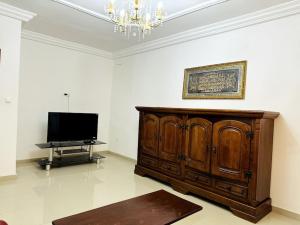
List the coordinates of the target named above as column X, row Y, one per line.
column 157, row 208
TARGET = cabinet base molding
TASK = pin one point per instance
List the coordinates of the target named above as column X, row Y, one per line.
column 254, row 214
column 247, row 212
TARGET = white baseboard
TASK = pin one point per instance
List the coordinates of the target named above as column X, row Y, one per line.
column 22, row 161
column 119, row 155
column 286, row 213
column 7, row 178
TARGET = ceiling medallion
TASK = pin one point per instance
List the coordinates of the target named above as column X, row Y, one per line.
column 135, row 17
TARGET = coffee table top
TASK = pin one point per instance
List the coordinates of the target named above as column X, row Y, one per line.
column 157, row 208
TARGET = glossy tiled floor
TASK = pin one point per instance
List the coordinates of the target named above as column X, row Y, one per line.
column 37, row 198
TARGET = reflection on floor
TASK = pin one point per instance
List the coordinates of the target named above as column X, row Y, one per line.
column 37, row 198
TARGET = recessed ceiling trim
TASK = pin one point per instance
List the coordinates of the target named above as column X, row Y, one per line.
column 168, row 18
column 83, row 10
column 195, row 8
column 261, row 16
column 45, row 39
column 16, row 13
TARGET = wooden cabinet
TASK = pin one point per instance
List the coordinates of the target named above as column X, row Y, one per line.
column 170, row 135
column 222, row 155
column 198, row 144
column 149, row 139
column 231, row 149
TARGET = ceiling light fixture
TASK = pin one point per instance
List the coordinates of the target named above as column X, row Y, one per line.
column 135, row 16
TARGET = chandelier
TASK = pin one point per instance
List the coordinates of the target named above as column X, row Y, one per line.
column 135, row 16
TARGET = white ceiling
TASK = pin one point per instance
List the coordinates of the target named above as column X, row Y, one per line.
column 171, row 5
column 84, row 21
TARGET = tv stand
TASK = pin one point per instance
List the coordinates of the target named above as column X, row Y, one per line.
column 92, row 142
column 60, row 156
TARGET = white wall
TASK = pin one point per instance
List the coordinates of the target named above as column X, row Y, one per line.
column 273, row 52
column 10, row 38
column 46, row 73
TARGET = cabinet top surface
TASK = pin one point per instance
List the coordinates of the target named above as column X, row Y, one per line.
column 220, row 112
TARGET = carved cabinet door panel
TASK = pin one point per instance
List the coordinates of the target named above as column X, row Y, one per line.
column 231, row 149
column 150, row 132
column 170, row 138
column 198, row 144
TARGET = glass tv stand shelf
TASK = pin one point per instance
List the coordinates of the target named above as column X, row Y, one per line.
column 60, row 156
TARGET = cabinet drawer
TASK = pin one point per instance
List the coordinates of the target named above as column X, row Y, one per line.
column 149, row 162
column 197, row 178
column 169, row 168
column 234, row 189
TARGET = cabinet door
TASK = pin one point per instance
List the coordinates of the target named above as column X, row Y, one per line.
column 170, row 138
column 231, row 149
column 150, row 131
column 198, row 144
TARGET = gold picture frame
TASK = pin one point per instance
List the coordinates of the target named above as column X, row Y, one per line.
column 219, row 81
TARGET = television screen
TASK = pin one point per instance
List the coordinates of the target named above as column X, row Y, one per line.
column 72, row 127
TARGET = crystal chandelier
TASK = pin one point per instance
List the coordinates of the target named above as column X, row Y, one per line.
column 135, row 16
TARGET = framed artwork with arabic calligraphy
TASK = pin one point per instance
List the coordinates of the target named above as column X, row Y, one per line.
column 220, row 81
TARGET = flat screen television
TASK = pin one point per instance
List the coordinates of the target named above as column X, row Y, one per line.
column 72, row 127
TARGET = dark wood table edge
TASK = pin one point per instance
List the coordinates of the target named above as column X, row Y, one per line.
column 199, row 208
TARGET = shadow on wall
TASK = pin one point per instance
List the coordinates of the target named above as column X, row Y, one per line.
column 285, row 141
column 285, row 153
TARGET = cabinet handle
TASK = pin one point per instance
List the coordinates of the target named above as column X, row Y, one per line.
column 181, row 157
column 214, row 150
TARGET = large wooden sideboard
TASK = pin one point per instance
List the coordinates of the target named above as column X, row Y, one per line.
column 221, row 155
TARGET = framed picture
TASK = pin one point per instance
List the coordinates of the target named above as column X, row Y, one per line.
column 220, row 81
